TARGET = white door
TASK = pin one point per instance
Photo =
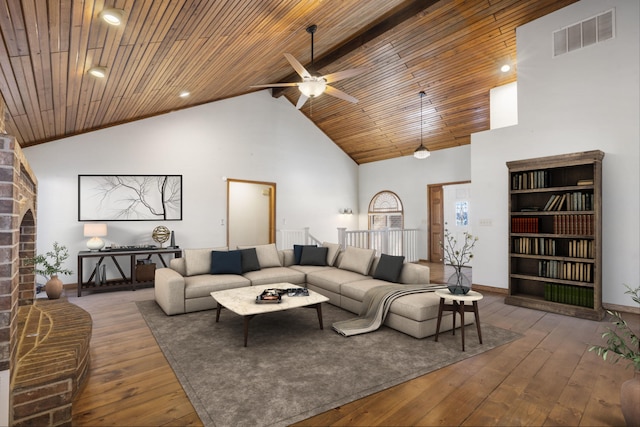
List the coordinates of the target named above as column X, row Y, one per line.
column 457, row 211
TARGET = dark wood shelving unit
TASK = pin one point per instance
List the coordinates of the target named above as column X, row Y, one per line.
column 555, row 238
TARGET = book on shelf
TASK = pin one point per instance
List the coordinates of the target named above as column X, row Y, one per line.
column 585, row 182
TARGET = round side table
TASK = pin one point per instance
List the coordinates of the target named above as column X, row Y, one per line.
column 458, row 307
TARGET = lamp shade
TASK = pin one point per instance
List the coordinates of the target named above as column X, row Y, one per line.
column 95, row 230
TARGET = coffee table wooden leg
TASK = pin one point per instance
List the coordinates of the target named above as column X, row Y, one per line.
column 219, row 309
column 477, row 314
column 246, row 328
column 319, row 311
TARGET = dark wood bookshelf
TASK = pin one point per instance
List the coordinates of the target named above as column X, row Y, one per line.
column 556, row 282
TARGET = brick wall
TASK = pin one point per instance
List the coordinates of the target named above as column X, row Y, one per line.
column 18, row 189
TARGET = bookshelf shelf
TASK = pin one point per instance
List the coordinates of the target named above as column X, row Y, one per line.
column 555, row 248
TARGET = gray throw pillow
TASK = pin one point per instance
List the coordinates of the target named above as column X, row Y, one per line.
column 249, row 260
column 313, row 256
column 389, row 268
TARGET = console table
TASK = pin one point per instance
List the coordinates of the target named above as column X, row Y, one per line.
column 124, row 281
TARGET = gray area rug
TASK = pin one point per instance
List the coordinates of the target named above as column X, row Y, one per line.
column 292, row 370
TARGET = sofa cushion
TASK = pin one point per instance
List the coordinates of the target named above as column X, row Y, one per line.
column 198, row 261
column 267, row 255
column 249, row 260
column 229, row 262
column 389, row 268
column 418, row 307
column 297, row 252
column 275, row 275
column 313, row 256
column 332, row 253
column 306, row 269
column 332, row 279
column 357, row 260
column 203, row 284
column 356, row 290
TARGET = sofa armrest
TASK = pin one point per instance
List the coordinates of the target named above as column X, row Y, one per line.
column 169, row 291
column 414, row 274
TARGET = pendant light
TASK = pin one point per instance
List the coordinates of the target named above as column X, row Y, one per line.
column 421, row 152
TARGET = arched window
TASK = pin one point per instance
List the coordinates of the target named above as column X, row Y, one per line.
column 385, row 211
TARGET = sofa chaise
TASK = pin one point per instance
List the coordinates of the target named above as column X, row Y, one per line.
column 344, row 276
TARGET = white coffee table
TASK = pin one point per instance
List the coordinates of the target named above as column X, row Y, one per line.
column 242, row 301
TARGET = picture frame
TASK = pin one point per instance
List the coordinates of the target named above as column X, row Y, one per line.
column 129, row 197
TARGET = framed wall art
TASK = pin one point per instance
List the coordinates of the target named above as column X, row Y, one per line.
column 129, row 197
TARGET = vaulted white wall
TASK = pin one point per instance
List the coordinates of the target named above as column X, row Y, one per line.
column 252, row 137
column 584, row 100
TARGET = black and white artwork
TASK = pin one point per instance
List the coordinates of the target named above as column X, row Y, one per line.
column 129, row 197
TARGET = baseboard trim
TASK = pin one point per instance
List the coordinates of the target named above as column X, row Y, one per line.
column 491, row 289
column 621, row 308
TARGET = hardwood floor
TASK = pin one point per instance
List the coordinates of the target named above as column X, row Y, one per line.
column 547, row 377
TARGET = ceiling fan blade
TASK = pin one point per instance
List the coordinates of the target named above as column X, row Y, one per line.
column 303, row 98
column 276, row 85
column 340, row 94
column 297, row 66
column 334, row 77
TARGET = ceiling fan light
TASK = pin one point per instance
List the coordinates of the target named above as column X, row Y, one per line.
column 312, row 88
column 112, row 16
column 421, row 152
column 99, row 72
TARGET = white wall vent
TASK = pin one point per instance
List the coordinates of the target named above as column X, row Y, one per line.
column 590, row 31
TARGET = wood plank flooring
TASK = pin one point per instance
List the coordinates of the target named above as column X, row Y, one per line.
column 547, row 377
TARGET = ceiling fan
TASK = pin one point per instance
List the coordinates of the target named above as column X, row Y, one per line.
column 312, row 84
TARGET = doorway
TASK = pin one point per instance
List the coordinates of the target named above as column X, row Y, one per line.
column 447, row 203
column 251, row 213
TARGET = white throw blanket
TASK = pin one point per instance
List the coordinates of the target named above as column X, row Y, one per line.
column 375, row 307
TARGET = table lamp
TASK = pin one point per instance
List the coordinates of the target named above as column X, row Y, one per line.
column 95, row 231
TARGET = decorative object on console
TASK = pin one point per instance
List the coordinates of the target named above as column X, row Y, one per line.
column 160, row 234
column 129, row 197
column 457, row 257
column 50, row 265
column 421, row 152
column 624, row 344
column 95, row 231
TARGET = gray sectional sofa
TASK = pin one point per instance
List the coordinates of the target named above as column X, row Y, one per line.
column 343, row 276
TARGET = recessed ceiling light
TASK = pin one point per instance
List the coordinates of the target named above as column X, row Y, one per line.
column 505, row 68
column 99, row 72
column 112, row 16
column 184, row 94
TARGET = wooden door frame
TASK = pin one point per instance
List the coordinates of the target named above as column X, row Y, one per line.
column 429, row 216
column 272, row 205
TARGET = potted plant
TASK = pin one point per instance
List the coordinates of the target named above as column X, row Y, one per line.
column 458, row 257
column 49, row 265
column 624, row 344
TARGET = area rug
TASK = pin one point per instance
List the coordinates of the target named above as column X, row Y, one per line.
column 292, row 370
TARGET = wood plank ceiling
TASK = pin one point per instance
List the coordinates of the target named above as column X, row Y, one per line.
column 451, row 49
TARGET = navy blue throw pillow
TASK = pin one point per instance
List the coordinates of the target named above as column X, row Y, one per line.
column 249, row 260
column 314, row 256
column 226, row 262
column 389, row 268
column 297, row 252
